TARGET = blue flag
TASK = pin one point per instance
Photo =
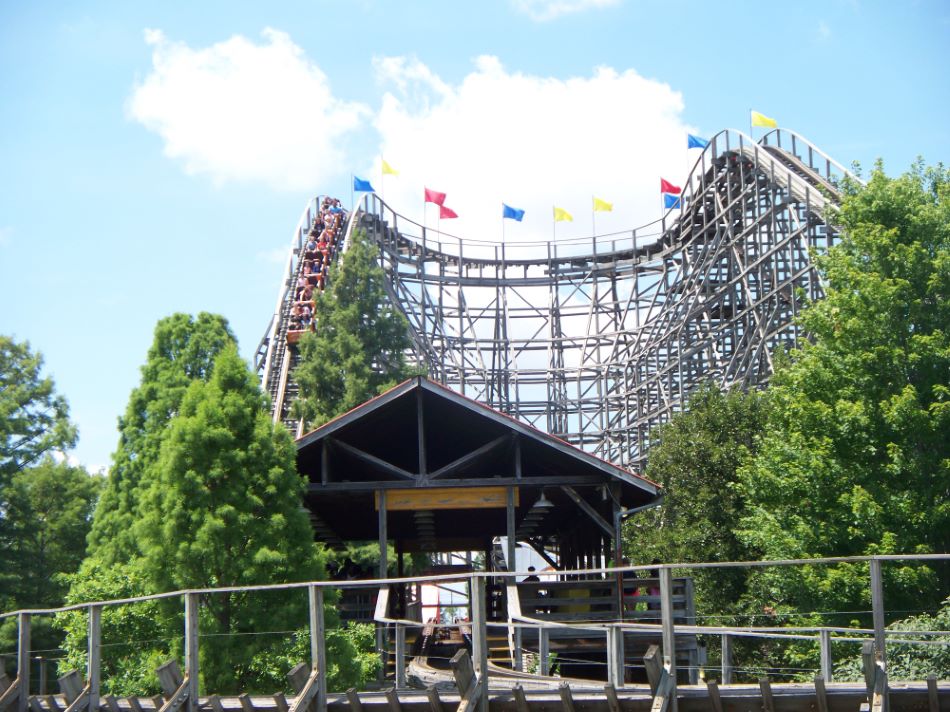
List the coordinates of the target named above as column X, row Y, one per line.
column 513, row 213
column 695, row 142
column 362, row 186
column 671, row 201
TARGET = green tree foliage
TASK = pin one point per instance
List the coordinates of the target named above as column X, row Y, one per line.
column 696, row 460
column 183, row 350
column 855, row 458
column 358, row 349
column 47, row 510
column 34, row 421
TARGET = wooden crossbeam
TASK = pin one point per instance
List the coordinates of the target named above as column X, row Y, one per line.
column 214, row 702
column 81, row 701
column 765, row 687
column 821, row 694
column 521, row 702
column 280, row 702
column 169, row 677
column 613, row 703
column 435, row 702
column 247, row 705
column 373, row 461
column 392, row 697
column 465, row 680
column 53, row 706
column 933, row 701
column 71, row 686
column 651, row 661
column 11, row 694
column 715, row 700
column 471, row 457
column 354, row 699
column 661, row 700
column 589, row 510
column 308, row 693
column 112, row 704
column 567, row 699
column 174, row 702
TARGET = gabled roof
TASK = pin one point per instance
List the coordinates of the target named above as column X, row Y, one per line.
column 421, row 435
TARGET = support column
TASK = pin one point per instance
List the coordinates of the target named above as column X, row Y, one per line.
column 877, row 607
column 191, row 649
column 318, row 649
column 480, row 639
column 825, row 647
column 727, row 669
column 23, row 661
column 94, row 660
column 669, row 638
column 382, row 573
column 512, row 553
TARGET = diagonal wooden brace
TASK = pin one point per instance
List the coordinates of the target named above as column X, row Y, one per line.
column 174, row 703
column 307, row 694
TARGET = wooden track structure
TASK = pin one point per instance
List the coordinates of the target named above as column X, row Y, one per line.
column 596, row 340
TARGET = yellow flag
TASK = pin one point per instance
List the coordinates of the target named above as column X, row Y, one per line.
column 389, row 170
column 561, row 214
column 603, row 205
column 763, row 120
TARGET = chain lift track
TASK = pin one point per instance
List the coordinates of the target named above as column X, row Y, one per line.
column 597, row 340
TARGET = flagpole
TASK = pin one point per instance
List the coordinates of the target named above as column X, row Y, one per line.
column 502, row 222
column 382, row 180
column 750, row 124
column 352, row 191
column 593, row 216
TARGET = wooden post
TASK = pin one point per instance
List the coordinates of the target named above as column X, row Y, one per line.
column 94, row 661
column 543, row 667
column 727, row 669
column 382, row 572
column 826, row 663
column 23, row 662
column 669, row 640
column 318, row 648
column 400, row 655
column 480, row 640
column 615, row 672
column 877, row 608
column 43, row 675
column 191, row 649
column 517, row 659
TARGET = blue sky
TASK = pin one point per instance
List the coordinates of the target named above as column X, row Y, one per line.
column 155, row 157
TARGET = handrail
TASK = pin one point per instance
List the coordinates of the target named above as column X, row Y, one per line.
column 376, row 583
column 796, row 137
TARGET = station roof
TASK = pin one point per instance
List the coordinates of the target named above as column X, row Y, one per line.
column 445, row 462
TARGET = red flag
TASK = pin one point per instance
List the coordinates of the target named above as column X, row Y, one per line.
column 446, row 213
column 434, row 196
column 667, row 187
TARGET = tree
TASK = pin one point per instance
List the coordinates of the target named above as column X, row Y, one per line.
column 34, row 421
column 223, row 508
column 855, row 458
column 46, row 515
column 183, row 350
column 696, row 461
column 358, row 350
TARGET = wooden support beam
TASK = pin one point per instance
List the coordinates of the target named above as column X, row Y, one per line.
column 23, row 661
column 468, row 684
column 392, row 697
column 4, row 680
column 214, row 702
column 94, row 658
column 280, row 702
column 544, row 664
column 715, row 699
column 318, row 651
column 169, row 678
column 298, row 677
column 589, row 510
column 665, row 696
column 36, row 705
column 877, row 608
column 44, row 674
column 10, row 695
column 821, row 694
column 435, row 702
column 308, row 694
column 727, row 668
column 372, row 460
column 176, row 701
column 157, row 702
column 933, row 702
column 191, row 650
column 81, row 701
column 610, row 692
column 521, row 702
column 246, row 704
column 567, row 699
column 651, row 661
column 480, row 640
column 421, row 433
column 112, row 704
column 53, row 706
column 765, row 687
column 400, row 655
column 470, row 457
column 354, row 699
column 71, row 686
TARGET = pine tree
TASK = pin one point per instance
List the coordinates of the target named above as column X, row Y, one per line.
column 183, row 350
column 223, row 508
column 358, row 350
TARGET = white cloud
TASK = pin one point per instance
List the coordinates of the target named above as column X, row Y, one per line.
column 240, row 111
column 544, row 10
column 824, row 30
column 532, row 142
column 6, row 236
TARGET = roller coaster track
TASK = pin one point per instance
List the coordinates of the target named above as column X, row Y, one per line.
column 597, row 340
